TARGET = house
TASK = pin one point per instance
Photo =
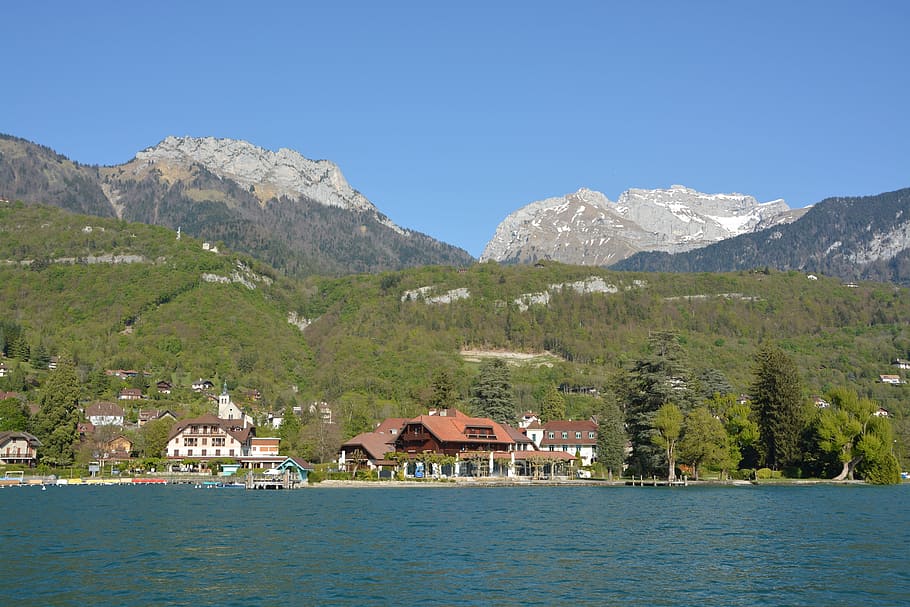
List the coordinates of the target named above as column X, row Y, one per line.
column 274, row 418
column 263, row 453
column 53, row 362
column 104, row 414
column 119, row 447
column 369, row 450
column 575, row 437
column 20, row 448
column 201, row 385
column 295, row 466
column 4, row 370
column 820, row 402
column 130, row 394
column 894, row 380
column 208, row 437
column 163, row 387
column 900, row 363
column 323, row 411
column 528, row 418
column 147, row 415
column 880, row 412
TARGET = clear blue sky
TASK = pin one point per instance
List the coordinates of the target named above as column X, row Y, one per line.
column 450, row 115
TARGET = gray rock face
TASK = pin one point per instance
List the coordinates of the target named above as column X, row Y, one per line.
column 587, row 228
column 283, row 173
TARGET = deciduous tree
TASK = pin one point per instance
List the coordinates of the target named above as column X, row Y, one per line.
column 668, row 423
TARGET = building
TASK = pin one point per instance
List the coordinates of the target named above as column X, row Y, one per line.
column 118, row 448
column 578, row 438
column 104, row 414
column 894, row 380
column 20, row 448
column 147, row 415
column 448, row 442
column 900, row 363
column 228, row 410
column 164, row 387
column 208, row 437
column 130, row 394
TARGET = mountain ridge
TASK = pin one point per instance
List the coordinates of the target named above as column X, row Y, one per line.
column 585, row 227
column 302, row 217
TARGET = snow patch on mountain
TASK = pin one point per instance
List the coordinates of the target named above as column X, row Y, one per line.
column 587, row 228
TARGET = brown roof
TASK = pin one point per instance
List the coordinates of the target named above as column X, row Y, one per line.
column 569, row 427
column 450, row 427
column 374, row 444
column 392, row 423
column 103, row 409
column 230, row 426
column 517, row 435
column 8, row 435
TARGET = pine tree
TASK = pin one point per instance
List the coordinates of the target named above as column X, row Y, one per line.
column 491, row 394
column 56, row 422
column 553, row 405
column 611, row 437
column 445, row 395
column 660, row 378
column 778, row 401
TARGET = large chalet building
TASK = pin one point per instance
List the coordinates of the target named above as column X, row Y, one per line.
column 479, row 447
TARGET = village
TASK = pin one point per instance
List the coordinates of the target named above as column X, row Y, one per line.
column 443, row 444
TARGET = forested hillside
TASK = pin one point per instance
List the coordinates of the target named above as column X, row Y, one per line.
column 118, row 295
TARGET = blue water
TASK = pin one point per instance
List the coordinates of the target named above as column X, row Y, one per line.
column 176, row 545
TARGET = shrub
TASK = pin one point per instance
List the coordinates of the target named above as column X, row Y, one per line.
column 764, row 473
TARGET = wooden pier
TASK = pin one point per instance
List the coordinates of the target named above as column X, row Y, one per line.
column 655, row 482
column 274, row 482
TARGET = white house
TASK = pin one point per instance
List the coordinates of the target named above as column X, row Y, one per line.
column 208, row 437
column 891, row 379
column 574, row 437
column 104, row 414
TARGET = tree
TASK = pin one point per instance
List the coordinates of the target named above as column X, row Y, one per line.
column 668, row 422
column 153, row 437
column 289, row 432
column 57, row 420
column 611, row 437
column 445, row 395
column 491, row 393
column 552, row 405
column 704, row 441
column 850, row 429
column 654, row 381
column 13, row 414
column 742, row 429
column 778, row 401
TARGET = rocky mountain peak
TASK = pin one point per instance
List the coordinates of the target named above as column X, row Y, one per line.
column 585, row 227
column 282, row 173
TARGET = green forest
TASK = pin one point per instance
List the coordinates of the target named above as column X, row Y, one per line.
column 109, row 294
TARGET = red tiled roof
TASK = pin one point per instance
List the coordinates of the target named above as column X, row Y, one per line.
column 392, row 423
column 452, row 426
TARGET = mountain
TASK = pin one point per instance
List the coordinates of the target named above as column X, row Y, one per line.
column 856, row 238
column 299, row 215
column 587, row 228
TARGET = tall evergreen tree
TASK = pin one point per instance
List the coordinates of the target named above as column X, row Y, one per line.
column 611, row 437
column 660, row 378
column 777, row 397
column 445, row 395
column 57, row 420
column 552, row 405
column 491, row 393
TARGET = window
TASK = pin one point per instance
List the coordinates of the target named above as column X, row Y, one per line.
column 592, row 435
column 578, row 435
column 565, row 435
column 176, row 452
column 551, row 435
column 205, row 441
column 203, row 453
column 189, row 453
column 217, row 452
column 231, row 453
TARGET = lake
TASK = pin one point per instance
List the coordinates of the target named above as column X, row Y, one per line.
column 176, row 545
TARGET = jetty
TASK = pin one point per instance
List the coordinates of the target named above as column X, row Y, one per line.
column 655, row 482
